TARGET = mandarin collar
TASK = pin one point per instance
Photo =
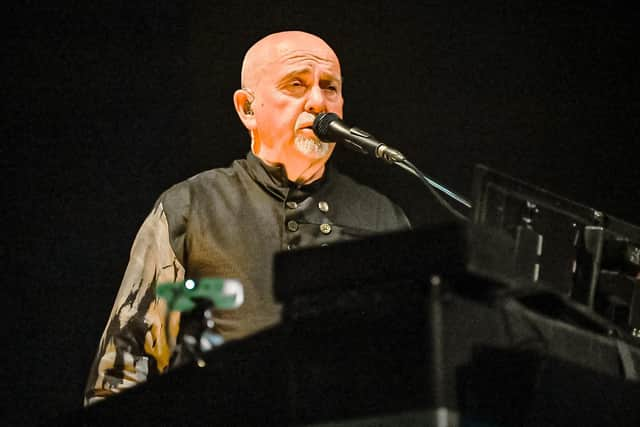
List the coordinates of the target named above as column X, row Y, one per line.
column 274, row 179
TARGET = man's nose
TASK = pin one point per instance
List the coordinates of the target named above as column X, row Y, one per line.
column 315, row 101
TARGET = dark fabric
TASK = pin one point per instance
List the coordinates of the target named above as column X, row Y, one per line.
column 230, row 222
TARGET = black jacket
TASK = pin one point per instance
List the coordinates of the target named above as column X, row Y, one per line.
column 225, row 223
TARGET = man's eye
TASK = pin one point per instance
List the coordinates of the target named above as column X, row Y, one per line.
column 295, row 87
column 330, row 87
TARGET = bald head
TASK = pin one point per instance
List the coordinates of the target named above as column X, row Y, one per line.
column 289, row 78
column 282, row 45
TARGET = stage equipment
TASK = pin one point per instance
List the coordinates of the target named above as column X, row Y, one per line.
column 578, row 251
column 418, row 331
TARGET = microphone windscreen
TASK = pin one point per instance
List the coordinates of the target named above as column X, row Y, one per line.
column 321, row 125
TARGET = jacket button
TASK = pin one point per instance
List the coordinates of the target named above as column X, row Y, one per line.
column 325, row 228
column 292, row 225
column 323, row 206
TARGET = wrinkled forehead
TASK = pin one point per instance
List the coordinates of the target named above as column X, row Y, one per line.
column 286, row 55
column 273, row 56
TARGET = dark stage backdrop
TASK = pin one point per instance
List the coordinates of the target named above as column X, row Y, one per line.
column 106, row 105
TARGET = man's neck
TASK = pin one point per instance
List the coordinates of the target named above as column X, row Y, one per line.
column 299, row 169
column 302, row 173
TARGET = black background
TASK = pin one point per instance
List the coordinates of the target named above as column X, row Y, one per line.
column 107, row 104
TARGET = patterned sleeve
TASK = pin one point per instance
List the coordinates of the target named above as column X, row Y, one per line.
column 137, row 341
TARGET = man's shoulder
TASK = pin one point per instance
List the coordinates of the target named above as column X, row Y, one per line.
column 209, row 178
column 182, row 193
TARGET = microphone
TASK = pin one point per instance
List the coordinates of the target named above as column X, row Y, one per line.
column 329, row 128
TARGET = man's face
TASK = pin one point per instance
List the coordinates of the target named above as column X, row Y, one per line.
column 296, row 81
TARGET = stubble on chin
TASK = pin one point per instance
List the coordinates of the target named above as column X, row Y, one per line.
column 311, row 147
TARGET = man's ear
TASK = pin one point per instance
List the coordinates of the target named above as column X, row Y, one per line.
column 242, row 100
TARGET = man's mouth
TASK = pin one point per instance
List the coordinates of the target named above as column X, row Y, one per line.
column 304, row 125
column 308, row 125
column 307, row 130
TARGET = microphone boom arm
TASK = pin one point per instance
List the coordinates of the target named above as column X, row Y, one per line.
column 330, row 128
column 409, row 167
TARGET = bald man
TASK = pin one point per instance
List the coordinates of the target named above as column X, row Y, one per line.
column 230, row 222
